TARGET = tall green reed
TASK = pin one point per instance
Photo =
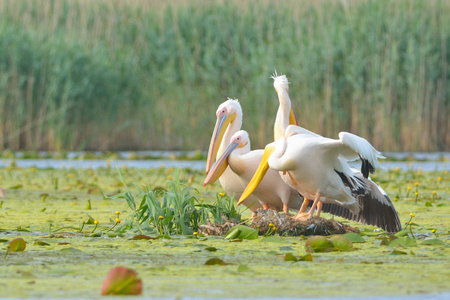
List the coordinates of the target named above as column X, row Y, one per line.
column 144, row 75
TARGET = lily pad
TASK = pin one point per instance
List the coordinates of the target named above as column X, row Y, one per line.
column 211, row 249
column 405, row 241
column 354, row 237
column 290, row 257
column 41, row 243
column 318, row 243
column 286, row 248
column 17, row 245
column 143, row 237
column 433, row 242
column 215, row 261
column 244, row 269
column 122, row 281
column 306, row 257
column 241, row 232
column 341, row 243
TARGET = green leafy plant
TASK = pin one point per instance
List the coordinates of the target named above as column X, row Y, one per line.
column 173, row 210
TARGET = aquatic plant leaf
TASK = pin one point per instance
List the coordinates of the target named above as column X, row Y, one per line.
column 211, row 249
column 143, row 237
column 318, row 243
column 22, row 229
column 17, row 245
column 122, row 281
column 41, row 243
column 306, row 257
column 16, row 187
column 433, row 242
column 401, row 233
column 370, row 232
column 241, row 232
column 405, row 241
column 341, row 243
column 354, row 237
column 385, row 241
column 98, row 234
column 286, row 248
column 273, row 239
column 244, row 269
column 428, row 203
column 398, row 252
column 290, row 257
column 215, row 261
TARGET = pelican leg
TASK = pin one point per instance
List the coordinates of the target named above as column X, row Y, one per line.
column 266, row 206
column 319, row 208
column 304, row 217
column 304, row 206
column 286, row 208
column 302, row 211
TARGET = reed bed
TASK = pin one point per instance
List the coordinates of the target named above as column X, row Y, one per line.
column 97, row 75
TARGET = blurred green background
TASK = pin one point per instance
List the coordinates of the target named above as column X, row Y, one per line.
column 149, row 75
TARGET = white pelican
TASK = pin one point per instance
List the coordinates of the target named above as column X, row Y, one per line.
column 272, row 192
column 375, row 207
column 229, row 121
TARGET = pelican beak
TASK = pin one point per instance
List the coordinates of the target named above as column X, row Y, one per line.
column 292, row 118
column 259, row 174
column 217, row 136
column 220, row 165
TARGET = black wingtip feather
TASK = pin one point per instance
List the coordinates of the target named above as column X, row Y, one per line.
column 366, row 167
column 372, row 210
column 372, row 213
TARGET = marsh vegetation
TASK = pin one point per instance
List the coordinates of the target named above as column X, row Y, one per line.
column 109, row 75
column 78, row 224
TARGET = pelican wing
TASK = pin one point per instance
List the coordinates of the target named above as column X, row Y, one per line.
column 350, row 147
column 368, row 154
column 376, row 207
column 297, row 130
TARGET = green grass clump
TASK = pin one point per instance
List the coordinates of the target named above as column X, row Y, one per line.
column 108, row 75
column 174, row 211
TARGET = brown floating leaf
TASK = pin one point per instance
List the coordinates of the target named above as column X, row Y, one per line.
column 143, row 237
column 17, row 245
column 306, row 257
column 122, row 281
column 215, row 261
column 290, row 257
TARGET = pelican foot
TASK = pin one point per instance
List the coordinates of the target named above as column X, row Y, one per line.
column 303, row 216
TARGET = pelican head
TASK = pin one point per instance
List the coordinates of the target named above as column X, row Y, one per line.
column 239, row 140
column 226, row 114
column 280, row 83
column 285, row 114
